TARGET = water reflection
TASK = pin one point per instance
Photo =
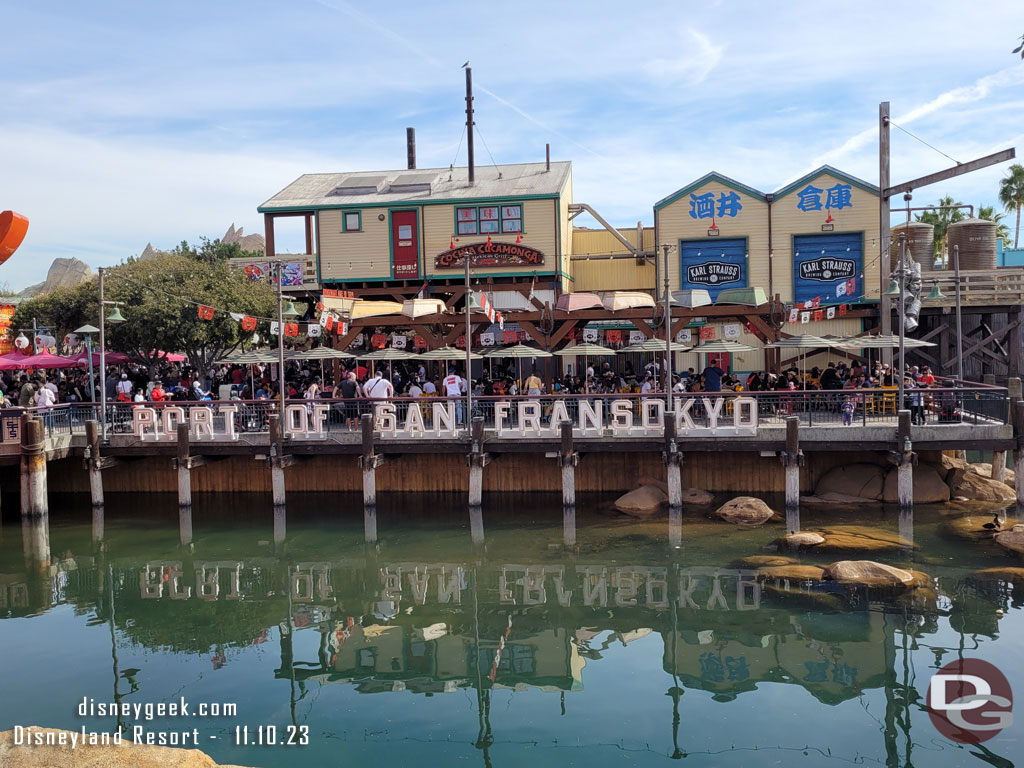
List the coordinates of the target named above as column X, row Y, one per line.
column 432, row 614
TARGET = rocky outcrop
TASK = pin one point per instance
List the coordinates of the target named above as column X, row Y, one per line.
column 969, row 485
column 745, row 510
column 792, row 572
column 801, row 540
column 761, row 561
column 697, row 497
column 843, row 539
column 863, row 481
column 985, row 470
column 1012, row 539
column 977, row 527
column 929, row 486
column 868, row 573
column 126, row 755
column 642, row 502
column 63, row 273
column 256, row 243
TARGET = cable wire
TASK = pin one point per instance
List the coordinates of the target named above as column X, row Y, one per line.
column 924, row 142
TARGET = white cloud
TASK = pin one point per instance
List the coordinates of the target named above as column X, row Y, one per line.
column 699, row 59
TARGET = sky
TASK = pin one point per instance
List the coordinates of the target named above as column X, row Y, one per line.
column 123, row 123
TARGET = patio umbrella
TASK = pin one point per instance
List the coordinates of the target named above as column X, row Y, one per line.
column 43, row 360
column 724, row 345
column 656, row 346
column 446, row 353
column 321, row 354
column 802, row 343
column 113, row 358
column 585, row 350
column 518, row 352
column 390, row 354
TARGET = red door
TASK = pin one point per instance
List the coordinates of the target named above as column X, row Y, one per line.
column 405, row 245
column 722, row 359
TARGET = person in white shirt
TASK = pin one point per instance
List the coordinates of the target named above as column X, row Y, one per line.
column 645, row 388
column 414, row 389
column 124, row 387
column 378, row 388
column 454, row 386
column 429, row 388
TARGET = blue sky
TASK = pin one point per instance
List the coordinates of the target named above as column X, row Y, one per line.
column 128, row 122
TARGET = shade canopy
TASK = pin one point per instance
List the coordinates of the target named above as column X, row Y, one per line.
column 250, row 358
column 656, row 345
column 167, row 357
column 585, row 349
column 44, row 360
column 449, row 353
column 113, row 358
column 518, row 350
column 321, row 353
column 389, row 353
column 723, row 346
column 573, row 302
column 801, row 342
column 888, row 341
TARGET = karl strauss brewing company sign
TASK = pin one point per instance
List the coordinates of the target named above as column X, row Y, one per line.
column 519, row 419
column 827, row 269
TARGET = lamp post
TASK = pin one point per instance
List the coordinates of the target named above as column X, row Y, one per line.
column 902, row 315
column 469, row 359
column 87, row 331
column 283, row 310
column 668, row 333
column 959, row 317
column 115, row 317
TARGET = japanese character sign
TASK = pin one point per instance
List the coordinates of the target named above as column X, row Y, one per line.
column 836, row 198
column 703, row 206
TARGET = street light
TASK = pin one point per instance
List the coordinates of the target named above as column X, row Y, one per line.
column 87, row 331
column 668, row 333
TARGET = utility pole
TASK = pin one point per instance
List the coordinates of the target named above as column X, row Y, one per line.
column 884, row 260
column 668, row 333
column 469, row 353
column 469, row 123
column 103, row 359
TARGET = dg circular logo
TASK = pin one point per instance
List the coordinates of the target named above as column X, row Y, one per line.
column 970, row 701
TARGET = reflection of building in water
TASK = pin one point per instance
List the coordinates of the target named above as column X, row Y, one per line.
column 834, row 656
column 430, row 660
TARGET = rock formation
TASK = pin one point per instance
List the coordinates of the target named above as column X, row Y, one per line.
column 248, row 242
column 63, row 273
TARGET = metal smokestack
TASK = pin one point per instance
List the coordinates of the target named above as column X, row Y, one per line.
column 469, row 121
column 547, row 154
column 410, row 148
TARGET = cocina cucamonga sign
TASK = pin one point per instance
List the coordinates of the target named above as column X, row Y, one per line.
column 519, row 419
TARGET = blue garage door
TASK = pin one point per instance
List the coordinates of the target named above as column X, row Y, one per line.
column 713, row 265
column 829, row 267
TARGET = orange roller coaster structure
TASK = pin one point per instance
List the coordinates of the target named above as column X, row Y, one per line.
column 13, row 227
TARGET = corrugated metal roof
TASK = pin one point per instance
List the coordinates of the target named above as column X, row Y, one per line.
column 314, row 190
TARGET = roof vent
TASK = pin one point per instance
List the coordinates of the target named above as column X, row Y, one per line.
column 413, row 182
column 359, row 185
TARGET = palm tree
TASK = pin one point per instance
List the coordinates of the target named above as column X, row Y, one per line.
column 988, row 212
column 1011, row 194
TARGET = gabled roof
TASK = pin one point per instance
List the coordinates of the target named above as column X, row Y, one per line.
column 834, row 172
column 422, row 185
column 713, row 176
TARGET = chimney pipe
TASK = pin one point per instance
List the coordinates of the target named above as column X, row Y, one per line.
column 547, row 153
column 410, row 148
column 469, row 123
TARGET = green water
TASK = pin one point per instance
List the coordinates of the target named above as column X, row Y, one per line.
column 425, row 648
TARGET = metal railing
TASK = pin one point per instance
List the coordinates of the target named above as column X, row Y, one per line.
column 973, row 404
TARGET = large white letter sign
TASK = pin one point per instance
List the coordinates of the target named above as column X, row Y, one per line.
column 591, row 417
column 444, row 419
column 295, row 420
column 652, row 414
column 385, row 420
column 559, row 413
column 317, row 419
column 143, row 419
column 500, row 414
column 714, row 406
column 201, row 420
column 529, row 417
column 683, row 420
column 414, row 421
column 622, row 417
column 228, row 412
column 170, row 418
column 744, row 413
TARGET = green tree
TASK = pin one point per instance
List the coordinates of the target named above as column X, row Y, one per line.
column 214, row 251
column 1011, row 194
column 160, row 299
column 945, row 213
column 988, row 212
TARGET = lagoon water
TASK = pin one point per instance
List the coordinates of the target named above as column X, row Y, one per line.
column 425, row 648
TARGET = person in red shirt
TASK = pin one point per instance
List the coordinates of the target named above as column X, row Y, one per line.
column 926, row 379
column 157, row 395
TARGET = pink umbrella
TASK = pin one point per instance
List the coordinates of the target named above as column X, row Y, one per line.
column 113, row 358
column 170, row 357
column 45, row 360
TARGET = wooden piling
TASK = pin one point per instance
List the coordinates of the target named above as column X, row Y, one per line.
column 369, row 461
column 792, row 458
column 185, row 525
column 23, row 477
column 673, row 464
column 905, row 467
column 1013, row 389
column 476, row 524
column 184, row 471
column 33, row 466
column 567, row 459
column 476, row 461
column 1018, row 452
column 92, row 439
column 280, row 525
column 277, row 487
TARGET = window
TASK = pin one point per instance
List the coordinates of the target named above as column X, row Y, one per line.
column 352, row 221
column 466, row 221
column 489, row 220
column 511, row 218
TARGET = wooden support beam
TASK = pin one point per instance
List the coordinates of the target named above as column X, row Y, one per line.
column 979, row 345
column 957, row 170
column 564, row 329
column 643, row 327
